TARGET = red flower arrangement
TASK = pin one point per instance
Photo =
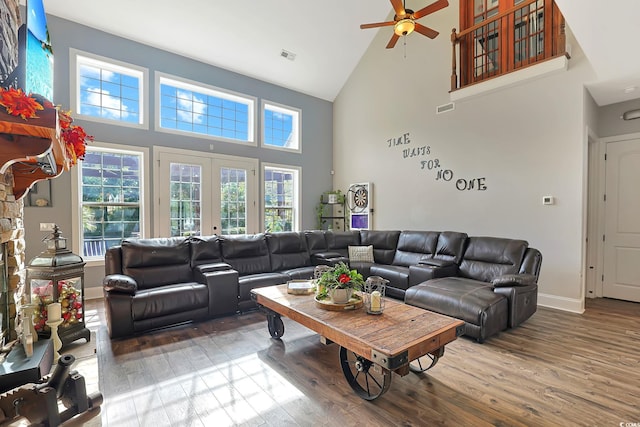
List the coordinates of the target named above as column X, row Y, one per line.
column 17, row 103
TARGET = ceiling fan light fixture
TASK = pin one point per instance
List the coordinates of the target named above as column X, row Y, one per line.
column 404, row 27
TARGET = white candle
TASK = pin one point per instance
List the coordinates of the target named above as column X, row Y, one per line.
column 54, row 312
column 375, row 301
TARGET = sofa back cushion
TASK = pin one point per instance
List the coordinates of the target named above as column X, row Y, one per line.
column 489, row 257
column 414, row 246
column 288, row 250
column 384, row 244
column 205, row 250
column 339, row 241
column 451, row 246
column 316, row 241
column 157, row 262
column 247, row 254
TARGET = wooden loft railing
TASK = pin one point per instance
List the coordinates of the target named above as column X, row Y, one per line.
column 526, row 34
column 32, row 149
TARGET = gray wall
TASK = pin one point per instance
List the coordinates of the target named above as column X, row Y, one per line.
column 317, row 124
column 524, row 141
column 610, row 123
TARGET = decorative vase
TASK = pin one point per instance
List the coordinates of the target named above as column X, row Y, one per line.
column 340, row 296
column 332, row 198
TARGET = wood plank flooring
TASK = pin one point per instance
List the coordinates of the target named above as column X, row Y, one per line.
column 558, row 369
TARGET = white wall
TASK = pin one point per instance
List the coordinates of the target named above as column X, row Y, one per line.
column 526, row 141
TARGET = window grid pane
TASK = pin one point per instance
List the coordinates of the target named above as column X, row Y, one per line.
column 185, row 199
column 198, row 112
column 280, row 127
column 108, row 94
column 233, row 201
column 111, row 191
column 279, row 200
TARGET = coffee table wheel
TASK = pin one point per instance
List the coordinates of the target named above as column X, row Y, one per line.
column 366, row 378
column 426, row 362
column 276, row 326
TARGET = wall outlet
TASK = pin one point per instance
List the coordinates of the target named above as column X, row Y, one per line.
column 47, row 226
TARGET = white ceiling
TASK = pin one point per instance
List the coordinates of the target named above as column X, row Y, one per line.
column 247, row 36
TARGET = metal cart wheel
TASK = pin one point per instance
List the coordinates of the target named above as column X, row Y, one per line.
column 366, row 378
column 426, row 362
column 276, row 326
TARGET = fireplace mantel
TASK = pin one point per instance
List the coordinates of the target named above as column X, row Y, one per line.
column 32, row 148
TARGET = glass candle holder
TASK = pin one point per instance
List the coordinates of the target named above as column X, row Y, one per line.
column 373, row 294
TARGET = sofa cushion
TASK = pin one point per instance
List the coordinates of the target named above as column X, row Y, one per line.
column 384, row 244
column 246, row 283
column 361, row 253
column 339, row 241
column 205, row 250
column 414, row 246
column 397, row 275
column 489, row 257
column 316, row 241
column 248, row 254
column 170, row 299
column 451, row 245
column 157, row 262
column 288, row 250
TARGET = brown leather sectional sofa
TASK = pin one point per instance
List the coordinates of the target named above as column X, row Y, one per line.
column 489, row 282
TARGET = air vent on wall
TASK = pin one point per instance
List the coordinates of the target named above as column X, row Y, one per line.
column 445, row 108
column 289, row 55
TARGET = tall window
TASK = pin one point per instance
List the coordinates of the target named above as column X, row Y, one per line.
column 281, row 126
column 111, row 194
column 281, row 198
column 233, row 200
column 500, row 36
column 197, row 108
column 108, row 90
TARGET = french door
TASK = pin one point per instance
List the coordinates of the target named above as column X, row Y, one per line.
column 204, row 194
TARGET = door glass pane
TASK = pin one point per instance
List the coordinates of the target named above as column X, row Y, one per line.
column 185, row 202
column 233, row 201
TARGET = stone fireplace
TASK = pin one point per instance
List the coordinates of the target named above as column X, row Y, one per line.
column 13, row 254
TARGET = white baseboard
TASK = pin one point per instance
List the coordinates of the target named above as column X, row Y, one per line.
column 561, row 303
column 94, row 292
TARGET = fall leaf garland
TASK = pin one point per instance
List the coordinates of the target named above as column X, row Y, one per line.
column 17, row 103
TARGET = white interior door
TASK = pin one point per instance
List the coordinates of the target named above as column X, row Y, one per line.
column 622, row 221
column 204, row 194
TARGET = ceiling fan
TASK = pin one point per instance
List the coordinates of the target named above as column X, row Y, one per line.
column 404, row 21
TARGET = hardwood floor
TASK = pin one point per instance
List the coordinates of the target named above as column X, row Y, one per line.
column 558, row 368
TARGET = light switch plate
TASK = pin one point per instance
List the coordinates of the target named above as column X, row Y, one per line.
column 47, row 226
column 548, row 200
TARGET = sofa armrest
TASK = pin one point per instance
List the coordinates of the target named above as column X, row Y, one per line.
column 435, row 262
column 523, row 302
column 210, row 268
column 223, row 290
column 120, row 283
column 422, row 272
column 328, row 258
column 514, row 280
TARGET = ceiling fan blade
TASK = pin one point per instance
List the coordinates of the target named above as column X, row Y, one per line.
column 398, row 7
column 393, row 41
column 377, row 24
column 433, row 7
column 426, row 31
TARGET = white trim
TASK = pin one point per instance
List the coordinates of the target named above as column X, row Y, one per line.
column 114, row 65
column 297, row 193
column 145, row 214
column 93, row 292
column 200, row 87
column 296, row 113
column 574, row 305
column 505, row 81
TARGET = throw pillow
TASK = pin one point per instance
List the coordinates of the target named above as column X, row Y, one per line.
column 361, row 253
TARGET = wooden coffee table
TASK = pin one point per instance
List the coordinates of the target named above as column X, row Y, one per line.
column 403, row 338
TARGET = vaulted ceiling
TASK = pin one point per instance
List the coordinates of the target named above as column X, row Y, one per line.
column 248, row 36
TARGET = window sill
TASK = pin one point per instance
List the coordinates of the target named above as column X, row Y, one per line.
column 542, row 69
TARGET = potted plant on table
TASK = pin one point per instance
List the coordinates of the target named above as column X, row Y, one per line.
column 339, row 283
